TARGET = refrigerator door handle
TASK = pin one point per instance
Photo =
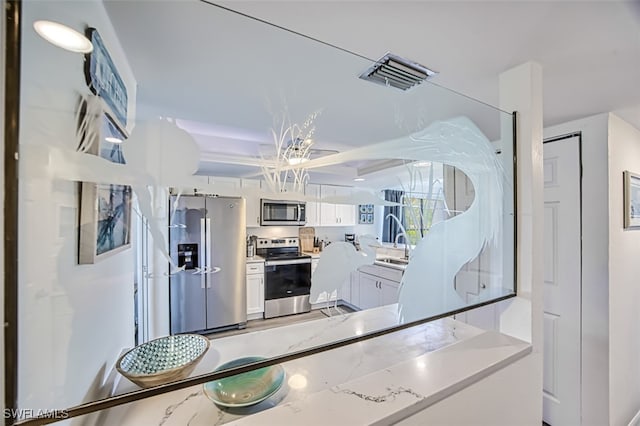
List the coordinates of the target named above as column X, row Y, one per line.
column 209, row 242
column 203, row 242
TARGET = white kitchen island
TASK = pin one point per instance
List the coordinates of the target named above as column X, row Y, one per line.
column 379, row 380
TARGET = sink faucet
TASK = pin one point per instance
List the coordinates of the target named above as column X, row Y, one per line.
column 406, row 243
column 403, row 233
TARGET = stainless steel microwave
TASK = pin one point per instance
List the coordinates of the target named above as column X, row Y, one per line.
column 282, row 213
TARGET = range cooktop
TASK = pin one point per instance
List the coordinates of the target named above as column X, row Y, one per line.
column 286, row 256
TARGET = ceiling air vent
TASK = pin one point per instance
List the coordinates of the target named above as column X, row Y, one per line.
column 401, row 73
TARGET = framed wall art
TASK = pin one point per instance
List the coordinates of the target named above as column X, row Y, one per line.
column 105, row 209
column 365, row 214
column 631, row 200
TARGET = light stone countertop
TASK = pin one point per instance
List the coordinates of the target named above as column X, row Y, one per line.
column 361, row 383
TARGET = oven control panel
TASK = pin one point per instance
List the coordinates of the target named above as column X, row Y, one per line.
column 264, row 243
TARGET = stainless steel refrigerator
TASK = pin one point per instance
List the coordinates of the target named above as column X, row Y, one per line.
column 207, row 238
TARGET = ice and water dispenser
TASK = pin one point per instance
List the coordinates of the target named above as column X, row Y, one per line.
column 188, row 256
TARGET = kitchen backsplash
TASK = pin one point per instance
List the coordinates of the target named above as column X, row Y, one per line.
column 330, row 233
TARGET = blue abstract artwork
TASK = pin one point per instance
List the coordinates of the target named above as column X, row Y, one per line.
column 114, row 201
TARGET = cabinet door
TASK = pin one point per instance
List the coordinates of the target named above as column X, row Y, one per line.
column 355, row 289
column 345, row 213
column 225, row 186
column 253, row 201
column 345, row 290
column 388, row 292
column 328, row 210
column 255, row 294
column 314, row 265
column 369, row 291
column 313, row 207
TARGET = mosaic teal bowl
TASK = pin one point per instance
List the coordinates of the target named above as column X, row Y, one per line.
column 163, row 360
column 247, row 388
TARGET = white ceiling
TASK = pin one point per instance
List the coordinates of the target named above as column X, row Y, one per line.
column 228, row 76
column 589, row 50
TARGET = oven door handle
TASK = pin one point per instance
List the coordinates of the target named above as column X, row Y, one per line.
column 286, row 262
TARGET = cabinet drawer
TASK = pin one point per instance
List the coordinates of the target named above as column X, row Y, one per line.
column 391, row 274
column 255, row 268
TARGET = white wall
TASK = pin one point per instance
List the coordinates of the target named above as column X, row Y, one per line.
column 624, row 284
column 74, row 320
column 501, row 399
column 595, row 258
column 610, row 295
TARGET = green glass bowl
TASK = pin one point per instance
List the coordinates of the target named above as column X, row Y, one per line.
column 247, row 388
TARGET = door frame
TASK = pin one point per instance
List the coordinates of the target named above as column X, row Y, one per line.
column 559, row 138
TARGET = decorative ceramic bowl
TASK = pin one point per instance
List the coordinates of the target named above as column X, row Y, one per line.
column 247, row 388
column 163, row 360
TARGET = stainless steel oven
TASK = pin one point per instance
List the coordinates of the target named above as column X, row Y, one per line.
column 280, row 212
column 287, row 277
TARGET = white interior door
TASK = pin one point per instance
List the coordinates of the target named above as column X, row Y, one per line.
column 562, row 282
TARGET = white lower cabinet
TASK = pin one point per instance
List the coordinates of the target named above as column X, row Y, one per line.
column 369, row 291
column 255, row 290
column 388, row 292
column 374, row 290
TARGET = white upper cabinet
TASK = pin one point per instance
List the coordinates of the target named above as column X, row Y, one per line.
column 253, row 201
column 336, row 214
column 328, row 215
column 318, row 213
column 225, row 186
column 313, row 207
column 345, row 213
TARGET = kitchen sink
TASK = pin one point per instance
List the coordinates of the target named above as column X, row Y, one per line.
column 393, row 261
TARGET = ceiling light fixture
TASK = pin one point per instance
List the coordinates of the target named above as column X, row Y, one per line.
column 358, row 180
column 112, row 139
column 62, row 36
column 293, row 144
column 294, row 161
column 395, row 71
column 422, row 164
column 298, row 151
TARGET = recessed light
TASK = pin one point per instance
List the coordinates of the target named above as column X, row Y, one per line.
column 62, row 36
column 422, row 164
column 112, row 139
column 358, row 180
